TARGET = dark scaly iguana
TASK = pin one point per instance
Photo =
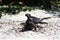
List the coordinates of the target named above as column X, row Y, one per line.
column 35, row 19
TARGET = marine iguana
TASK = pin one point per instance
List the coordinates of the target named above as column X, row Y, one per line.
column 35, row 19
column 31, row 23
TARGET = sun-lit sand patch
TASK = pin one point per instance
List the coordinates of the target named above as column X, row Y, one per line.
column 9, row 27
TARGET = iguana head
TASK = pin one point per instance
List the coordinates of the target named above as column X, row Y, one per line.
column 28, row 15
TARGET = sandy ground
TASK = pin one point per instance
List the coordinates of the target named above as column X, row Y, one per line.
column 9, row 27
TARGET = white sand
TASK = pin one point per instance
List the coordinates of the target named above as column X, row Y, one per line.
column 9, row 25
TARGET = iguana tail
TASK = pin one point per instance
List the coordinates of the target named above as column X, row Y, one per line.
column 45, row 18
